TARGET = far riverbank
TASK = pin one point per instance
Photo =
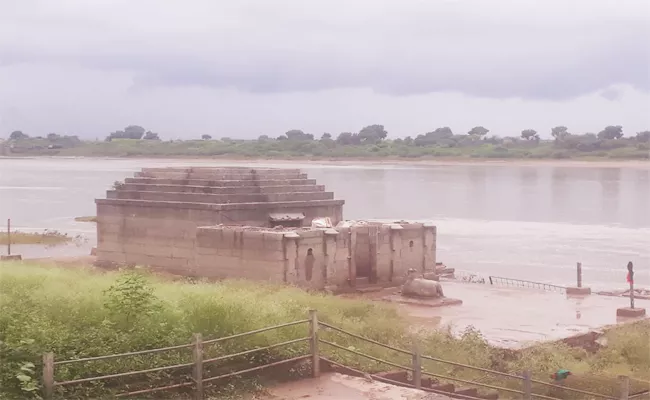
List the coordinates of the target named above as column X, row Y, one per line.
column 343, row 161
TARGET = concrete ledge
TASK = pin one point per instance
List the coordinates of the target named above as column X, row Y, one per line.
column 13, row 257
column 578, row 291
column 627, row 312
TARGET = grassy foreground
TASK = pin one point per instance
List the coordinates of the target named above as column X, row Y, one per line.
column 78, row 313
column 46, row 238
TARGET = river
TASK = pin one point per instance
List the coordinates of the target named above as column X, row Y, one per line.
column 521, row 221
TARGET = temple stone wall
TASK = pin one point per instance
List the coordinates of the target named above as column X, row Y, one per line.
column 313, row 258
column 215, row 223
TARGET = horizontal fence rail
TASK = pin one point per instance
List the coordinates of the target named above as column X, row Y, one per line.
column 501, row 281
column 197, row 378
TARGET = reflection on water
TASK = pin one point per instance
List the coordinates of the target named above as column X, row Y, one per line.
column 519, row 221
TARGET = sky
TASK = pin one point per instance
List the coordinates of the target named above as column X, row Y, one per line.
column 245, row 68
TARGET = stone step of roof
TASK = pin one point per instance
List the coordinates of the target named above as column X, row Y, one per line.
column 218, row 198
column 238, row 170
column 267, row 206
column 221, row 176
column 222, row 190
column 220, row 182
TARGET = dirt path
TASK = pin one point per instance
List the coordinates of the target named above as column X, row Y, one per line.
column 335, row 386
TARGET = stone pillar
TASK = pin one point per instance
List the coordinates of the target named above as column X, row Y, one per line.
column 290, row 251
column 395, row 253
column 329, row 254
column 352, row 262
column 429, row 251
column 373, row 247
column 578, row 290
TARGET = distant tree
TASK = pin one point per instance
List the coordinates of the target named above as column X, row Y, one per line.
column 408, row 140
column 478, row 131
column 529, row 134
column 263, row 138
column 281, row 137
column 130, row 132
column 643, row 137
column 348, row 138
column 372, row 134
column 440, row 137
column 134, row 132
column 151, row 136
column 611, row 132
column 206, row 137
column 326, row 136
column 17, row 135
column 53, row 136
column 560, row 132
column 297, row 134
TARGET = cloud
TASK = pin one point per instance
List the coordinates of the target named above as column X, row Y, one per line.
column 551, row 49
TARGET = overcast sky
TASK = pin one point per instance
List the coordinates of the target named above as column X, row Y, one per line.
column 241, row 68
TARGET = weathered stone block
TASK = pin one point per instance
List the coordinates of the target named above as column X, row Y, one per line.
column 627, row 312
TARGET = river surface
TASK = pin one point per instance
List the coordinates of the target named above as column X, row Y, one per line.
column 519, row 221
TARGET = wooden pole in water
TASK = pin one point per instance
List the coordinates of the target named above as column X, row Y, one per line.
column 8, row 236
column 579, row 271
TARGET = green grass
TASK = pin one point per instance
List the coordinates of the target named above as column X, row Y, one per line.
column 78, row 313
column 86, row 219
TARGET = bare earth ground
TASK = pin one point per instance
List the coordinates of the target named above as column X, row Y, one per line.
column 334, row 386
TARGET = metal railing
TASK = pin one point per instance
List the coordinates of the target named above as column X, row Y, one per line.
column 501, row 281
column 198, row 378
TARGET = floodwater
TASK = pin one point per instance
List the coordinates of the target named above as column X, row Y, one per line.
column 521, row 221
column 516, row 317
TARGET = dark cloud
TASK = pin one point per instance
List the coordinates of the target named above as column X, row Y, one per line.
column 458, row 47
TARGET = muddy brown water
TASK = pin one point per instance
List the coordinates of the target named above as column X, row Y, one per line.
column 522, row 221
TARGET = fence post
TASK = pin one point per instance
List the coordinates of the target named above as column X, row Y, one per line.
column 625, row 387
column 313, row 344
column 48, row 376
column 528, row 385
column 8, row 236
column 417, row 365
column 579, row 272
column 197, row 373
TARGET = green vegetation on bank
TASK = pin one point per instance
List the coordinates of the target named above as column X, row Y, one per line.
column 84, row 313
column 47, row 237
column 370, row 142
column 86, row 219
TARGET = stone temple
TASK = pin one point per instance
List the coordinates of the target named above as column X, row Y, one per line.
column 254, row 224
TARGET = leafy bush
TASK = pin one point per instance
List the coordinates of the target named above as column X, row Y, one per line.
column 82, row 313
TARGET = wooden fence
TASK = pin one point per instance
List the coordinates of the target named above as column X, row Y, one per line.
column 198, row 378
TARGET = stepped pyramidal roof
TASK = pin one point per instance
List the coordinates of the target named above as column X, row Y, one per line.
column 283, row 194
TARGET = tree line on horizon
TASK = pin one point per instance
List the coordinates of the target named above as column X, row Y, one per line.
column 370, row 141
column 374, row 134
